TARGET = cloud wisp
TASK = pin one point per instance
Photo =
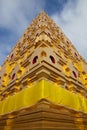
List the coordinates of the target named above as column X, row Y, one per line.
column 15, row 16
column 73, row 21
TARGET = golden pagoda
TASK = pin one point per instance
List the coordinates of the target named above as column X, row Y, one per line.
column 43, row 81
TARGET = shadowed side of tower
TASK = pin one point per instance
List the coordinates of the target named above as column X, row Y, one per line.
column 43, row 81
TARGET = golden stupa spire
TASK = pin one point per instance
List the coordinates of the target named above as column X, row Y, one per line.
column 43, row 66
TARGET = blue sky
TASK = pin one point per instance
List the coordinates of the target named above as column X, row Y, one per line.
column 16, row 15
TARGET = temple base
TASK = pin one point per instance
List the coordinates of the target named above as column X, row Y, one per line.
column 44, row 116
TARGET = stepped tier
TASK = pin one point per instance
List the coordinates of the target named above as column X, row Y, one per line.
column 44, row 116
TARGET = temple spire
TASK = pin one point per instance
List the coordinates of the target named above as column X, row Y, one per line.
column 43, row 81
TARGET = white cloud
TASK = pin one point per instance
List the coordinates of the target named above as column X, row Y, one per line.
column 73, row 21
column 15, row 16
